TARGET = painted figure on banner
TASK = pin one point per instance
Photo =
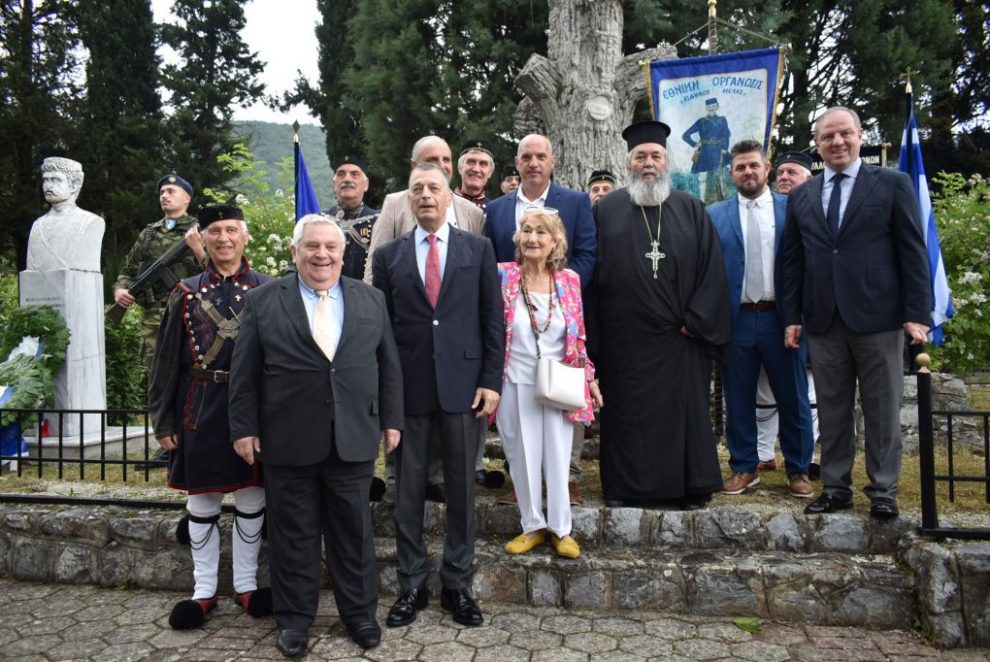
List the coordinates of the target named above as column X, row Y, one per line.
column 711, row 151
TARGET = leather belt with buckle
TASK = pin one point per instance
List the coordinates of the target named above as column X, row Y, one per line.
column 758, row 307
column 215, row 376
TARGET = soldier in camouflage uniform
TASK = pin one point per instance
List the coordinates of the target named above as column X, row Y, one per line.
column 174, row 195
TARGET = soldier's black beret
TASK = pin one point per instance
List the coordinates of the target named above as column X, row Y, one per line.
column 799, row 158
column 215, row 213
column 647, row 131
column 175, row 180
column 510, row 171
column 711, row 101
column 477, row 145
column 601, row 176
column 352, row 159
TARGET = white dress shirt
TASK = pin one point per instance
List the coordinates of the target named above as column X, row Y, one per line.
column 847, row 184
column 767, row 220
column 522, row 203
column 423, row 248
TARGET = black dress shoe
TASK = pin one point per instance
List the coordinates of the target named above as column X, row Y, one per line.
column 884, row 508
column 827, row 503
column 403, row 612
column 292, row 643
column 459, row 603
column 366, row 635
column 694, row 501
column 615, row 503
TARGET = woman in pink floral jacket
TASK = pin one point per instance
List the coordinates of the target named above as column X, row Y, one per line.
column 543, row 318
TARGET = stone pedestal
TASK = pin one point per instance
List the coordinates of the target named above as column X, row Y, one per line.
column 82, row 382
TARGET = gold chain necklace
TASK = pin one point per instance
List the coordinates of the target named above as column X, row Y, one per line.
column 654, row 256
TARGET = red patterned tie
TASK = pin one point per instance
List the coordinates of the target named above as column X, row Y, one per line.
column 433, row 270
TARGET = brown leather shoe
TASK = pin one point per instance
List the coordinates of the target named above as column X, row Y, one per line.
column 739, row 482
column 801, row 486
column 769, row 465
column 574, row 492
column 509, row 498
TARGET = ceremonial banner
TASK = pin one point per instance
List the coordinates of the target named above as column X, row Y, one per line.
column 711, row 103
column 306, row 202
column 913, row 164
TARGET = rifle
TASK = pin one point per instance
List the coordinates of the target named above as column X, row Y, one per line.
column 158, row 271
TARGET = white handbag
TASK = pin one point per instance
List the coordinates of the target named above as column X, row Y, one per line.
column 559, row 385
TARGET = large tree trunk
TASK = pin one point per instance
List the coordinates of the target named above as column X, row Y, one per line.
column 585, row 92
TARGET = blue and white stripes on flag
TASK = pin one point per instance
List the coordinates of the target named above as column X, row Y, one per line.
column 912, row 163
column 306, row 202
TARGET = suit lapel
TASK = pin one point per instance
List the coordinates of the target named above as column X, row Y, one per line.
column 814, row 194
column 349, row 290
column 779, row 215
column 454, row 251
column 408, row 257
column 735, row 223
column 295, row 311
column 861, row 191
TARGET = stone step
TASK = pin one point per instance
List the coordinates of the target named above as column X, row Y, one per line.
column 754, row 528
column 825, row 588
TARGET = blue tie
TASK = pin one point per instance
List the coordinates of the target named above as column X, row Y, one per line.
column 834, row 202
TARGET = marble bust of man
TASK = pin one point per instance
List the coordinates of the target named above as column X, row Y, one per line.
column 67, row 237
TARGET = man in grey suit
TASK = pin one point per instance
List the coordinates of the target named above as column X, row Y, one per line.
column 856, row 267
column 442, row 290
column 316, row 384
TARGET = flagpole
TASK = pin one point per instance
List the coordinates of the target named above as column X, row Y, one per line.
column 295, row 153
column 712, row 27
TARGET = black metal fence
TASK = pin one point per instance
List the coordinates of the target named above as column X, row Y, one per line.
column 930, row 477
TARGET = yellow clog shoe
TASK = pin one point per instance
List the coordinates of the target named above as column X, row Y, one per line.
column 525, row 542
column 566, row 547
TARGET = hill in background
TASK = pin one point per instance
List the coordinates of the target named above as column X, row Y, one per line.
column 272, row 144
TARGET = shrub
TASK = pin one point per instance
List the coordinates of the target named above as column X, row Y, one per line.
column 962, row 209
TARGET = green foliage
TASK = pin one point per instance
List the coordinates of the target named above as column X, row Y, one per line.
column 127, row 379
column 31, row 376
column 270, row 215
column 122, row 142
column 216, row 73
column 750, row 624
column 962, row 210
column 272, row 143
column 8, row 297
column 44, row 323
column 39, row 96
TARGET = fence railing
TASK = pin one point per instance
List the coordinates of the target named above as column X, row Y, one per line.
column 930, row 478
column 85, row 443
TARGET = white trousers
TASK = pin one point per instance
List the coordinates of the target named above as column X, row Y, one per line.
column 766, row 416
column 205, row 540
column 536, row 437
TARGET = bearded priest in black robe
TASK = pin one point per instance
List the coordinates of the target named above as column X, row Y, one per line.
column 658, row 315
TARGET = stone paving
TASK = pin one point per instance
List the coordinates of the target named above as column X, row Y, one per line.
column 62, row 622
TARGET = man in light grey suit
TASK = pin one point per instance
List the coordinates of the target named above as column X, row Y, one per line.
column 396, row 217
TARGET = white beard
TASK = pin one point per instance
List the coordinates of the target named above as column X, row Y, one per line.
column 650, row 194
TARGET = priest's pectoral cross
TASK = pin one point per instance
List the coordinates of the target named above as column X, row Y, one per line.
column 655, row 256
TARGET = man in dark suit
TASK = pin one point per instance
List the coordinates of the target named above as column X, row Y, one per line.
column 856, row 267
column 316, row 384
column 535, row 161
column 442, row 290
column 750, row 226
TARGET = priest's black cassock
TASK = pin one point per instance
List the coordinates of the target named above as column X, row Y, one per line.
column 656, row 434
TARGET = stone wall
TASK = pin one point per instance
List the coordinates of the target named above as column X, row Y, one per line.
column 839, row 569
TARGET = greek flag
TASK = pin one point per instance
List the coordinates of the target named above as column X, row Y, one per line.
column 912, row 163
column 306, row 202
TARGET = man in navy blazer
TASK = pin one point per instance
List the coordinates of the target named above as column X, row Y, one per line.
column 535, row 162
column 856, row 278
column 443, row 295
column 750, row 226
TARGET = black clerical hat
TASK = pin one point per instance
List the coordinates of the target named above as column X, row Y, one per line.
column 509, row 171
column 711, row 101
column 799, row 158
column 215, row 213
column 647, row 131
column 479, row 145
column 175, row 180
column 352, row 159
column 601, row 176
